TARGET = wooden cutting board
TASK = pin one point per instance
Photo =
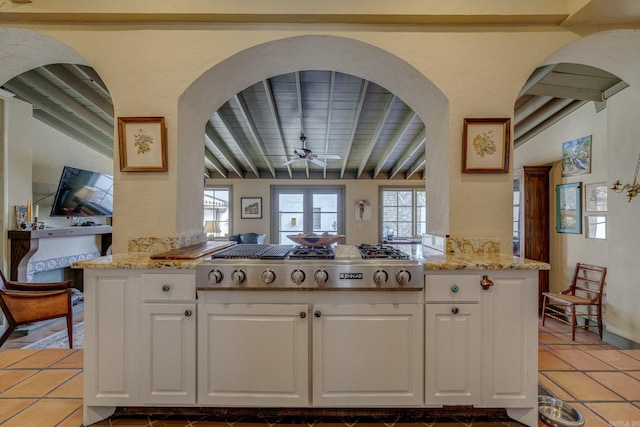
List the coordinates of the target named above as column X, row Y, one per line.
column 195, row 251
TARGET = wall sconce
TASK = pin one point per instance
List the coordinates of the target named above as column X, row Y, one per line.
column 631, row 189
column 294, row 220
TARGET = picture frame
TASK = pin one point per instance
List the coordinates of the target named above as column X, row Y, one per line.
column 569, row 208
column 576, row 157
column 595, row 227
column 142, row 144
column 485, row 145
column 595, row 197
column 251, row 207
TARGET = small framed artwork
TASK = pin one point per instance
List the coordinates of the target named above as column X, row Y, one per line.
column 485, row 145
column 250, row 207
column 595, row 197
column 569, row 208
column 595, row 227
column 143, row 146
column 576, row 157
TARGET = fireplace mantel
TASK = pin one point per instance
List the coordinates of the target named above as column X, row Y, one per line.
column 25, row 243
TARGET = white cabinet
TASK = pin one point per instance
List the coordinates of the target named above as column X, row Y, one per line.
column 452, row 340
column 510, row 339
column 253, row 354
column 110, row 346
column 367, row 354
column 168, row 339
column 488, row 357
column 258, row 354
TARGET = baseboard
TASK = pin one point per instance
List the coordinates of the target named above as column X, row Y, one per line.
column 619, row 342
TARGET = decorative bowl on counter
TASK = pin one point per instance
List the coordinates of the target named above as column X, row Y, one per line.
column 315, row 239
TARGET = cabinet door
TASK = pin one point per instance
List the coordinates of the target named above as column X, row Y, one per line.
column 253, row 354
column 110, row 316
column 452, row 354
column 367, row 354
column 510, row 339
column 168, row 353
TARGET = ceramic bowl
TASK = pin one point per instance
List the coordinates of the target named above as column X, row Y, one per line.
column 315, row 239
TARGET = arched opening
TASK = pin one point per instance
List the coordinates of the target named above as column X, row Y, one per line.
column 57, row 113
column 611, row 125
column 205, row 95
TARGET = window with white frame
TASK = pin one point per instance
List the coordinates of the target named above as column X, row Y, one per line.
column 217, row 211
column 307, row 210
column 404, row 212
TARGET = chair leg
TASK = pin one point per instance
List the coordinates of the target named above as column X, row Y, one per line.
column 7, row 333
column 599, row 313
column 544, row 308
column 573, row 322
column 70, row 329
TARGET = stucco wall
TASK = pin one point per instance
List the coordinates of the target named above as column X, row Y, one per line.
column 473, row 70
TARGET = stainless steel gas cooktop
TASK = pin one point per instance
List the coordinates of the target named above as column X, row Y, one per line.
column 310, row 267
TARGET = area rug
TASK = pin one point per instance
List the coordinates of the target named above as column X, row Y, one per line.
column 59, row 339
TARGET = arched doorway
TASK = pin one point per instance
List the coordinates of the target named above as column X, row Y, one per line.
column 214, row 87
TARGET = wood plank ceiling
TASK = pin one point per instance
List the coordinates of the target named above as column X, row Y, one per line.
column 354, row 128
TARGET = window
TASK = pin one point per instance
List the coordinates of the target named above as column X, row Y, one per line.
column 307, row 210
column 404, row 212
column 216, row 208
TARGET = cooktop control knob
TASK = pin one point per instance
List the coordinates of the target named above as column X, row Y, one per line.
column 380, row 277
column 297, row 276
column 321, row 276
column 215, row 276
column 403, row 277
column 238, row 276
column 268, row 276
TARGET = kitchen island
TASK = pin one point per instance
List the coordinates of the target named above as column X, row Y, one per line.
column 468, row 338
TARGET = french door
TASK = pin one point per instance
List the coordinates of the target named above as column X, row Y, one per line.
column 306, row 210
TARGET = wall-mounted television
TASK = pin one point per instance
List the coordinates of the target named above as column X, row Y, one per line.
column 83, row 193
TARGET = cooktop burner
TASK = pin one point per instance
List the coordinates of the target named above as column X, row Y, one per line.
column 312, row 252
column 381, row 251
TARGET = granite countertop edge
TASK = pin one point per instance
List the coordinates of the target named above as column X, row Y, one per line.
column 142, row 260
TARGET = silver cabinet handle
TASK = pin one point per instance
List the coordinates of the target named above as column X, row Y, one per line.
column 455, row 289
column 166, row 288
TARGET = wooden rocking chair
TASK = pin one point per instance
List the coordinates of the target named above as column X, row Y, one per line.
column 24, row 303
column 588, row 281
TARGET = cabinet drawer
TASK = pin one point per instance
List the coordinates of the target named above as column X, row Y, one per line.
column 452, row 287
column 168, row 287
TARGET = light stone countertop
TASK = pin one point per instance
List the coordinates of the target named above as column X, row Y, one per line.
column 432, row 260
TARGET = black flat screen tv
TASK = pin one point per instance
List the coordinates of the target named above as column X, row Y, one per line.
column 83, row 193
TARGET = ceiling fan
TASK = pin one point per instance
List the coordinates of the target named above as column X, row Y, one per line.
column 308, row 155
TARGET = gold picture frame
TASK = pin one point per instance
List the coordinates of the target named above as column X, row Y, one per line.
column 485, row 145
column 142, row 143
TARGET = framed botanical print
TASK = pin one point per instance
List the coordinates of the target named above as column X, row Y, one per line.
column 485, row 145
column 142, row 144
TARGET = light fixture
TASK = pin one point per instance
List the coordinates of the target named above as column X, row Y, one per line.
column 631, row 189
column 211, row 227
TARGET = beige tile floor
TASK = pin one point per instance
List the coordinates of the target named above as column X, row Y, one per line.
column 42, row 388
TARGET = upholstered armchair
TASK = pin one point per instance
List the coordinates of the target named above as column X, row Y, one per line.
column 248, row 238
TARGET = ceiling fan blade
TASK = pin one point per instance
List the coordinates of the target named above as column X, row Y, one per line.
column 290, row 161
column 330, row 156
column 317, row 162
